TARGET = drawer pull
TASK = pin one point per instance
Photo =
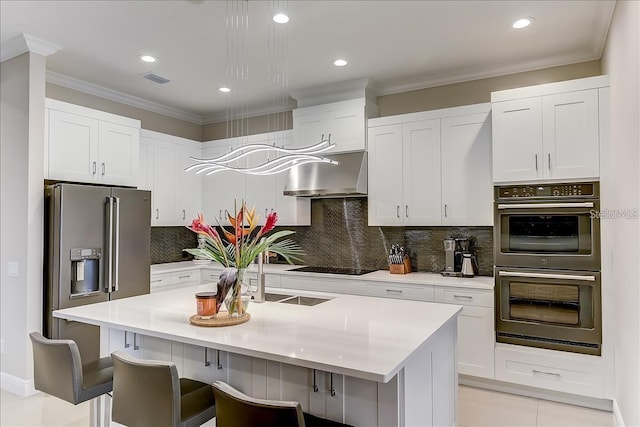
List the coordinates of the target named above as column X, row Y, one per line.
column 157, row 281
column 206, row 358
column 184, row 277
column 394, row 291
column 555, row 374
column 464, row 297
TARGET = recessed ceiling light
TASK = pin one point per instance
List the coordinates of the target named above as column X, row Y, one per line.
column 339, row 62
column 224, row 89
column 521, row 23
column 280, row 18
column 147, row 58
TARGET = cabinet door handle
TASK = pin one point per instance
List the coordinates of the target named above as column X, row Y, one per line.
column 398, row 211
column 126, row 344
column 265, row 212
column 220, row 214
column 549, row 161
column 218, row 361
column 445, row 210
column 464, row 297
column 157, row 213
column 332, row 390
column 94, row 168
column 206, row 358
column 135, row 342
column 536, row 162
column 555, row 374
column 103, row 169
column 184, row 214
column 315, row 386
column 406, row 211
column 394, row 291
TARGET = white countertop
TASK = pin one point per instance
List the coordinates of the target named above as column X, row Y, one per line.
column 364, row 337
column 420, row 278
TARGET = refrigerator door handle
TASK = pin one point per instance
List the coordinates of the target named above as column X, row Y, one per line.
column 116, row 252
column 109, row 251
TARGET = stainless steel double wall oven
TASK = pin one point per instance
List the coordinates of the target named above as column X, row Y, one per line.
column 547, row 258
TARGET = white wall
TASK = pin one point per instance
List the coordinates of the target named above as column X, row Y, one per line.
column 21, row 213
column 621, row 61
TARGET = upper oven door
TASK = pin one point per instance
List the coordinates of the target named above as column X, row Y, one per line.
column 560, row 235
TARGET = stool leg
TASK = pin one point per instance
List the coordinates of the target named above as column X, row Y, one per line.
column 100, row 411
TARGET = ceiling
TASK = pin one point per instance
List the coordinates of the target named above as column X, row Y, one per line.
column 396, row 45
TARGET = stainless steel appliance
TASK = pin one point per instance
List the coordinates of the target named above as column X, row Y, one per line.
column 460, row 254
column 97, row 248
column 547, row 274
column 554, row 309
column 548, row 226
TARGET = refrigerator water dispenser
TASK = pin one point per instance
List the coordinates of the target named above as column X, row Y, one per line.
column 85, row 272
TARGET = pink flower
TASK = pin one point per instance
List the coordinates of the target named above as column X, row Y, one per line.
column 269, row 223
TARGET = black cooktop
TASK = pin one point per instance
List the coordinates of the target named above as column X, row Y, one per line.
column 333, row 270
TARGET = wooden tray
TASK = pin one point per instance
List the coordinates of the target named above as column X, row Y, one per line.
column 221, row 319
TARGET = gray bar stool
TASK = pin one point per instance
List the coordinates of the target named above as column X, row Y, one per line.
column 236, row 409
column 149, row 393
column 58, row 370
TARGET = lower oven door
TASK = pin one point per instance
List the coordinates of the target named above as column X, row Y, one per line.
column 552, row 309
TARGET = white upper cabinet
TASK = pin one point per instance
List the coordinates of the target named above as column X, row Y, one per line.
column 176, row 195
column 385, row 175
column 431, row 168
column 86, row 145
column 346, row 121
column 466, row 170
column 548, row 132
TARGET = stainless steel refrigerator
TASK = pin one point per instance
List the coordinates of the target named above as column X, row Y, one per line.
column 97, row 248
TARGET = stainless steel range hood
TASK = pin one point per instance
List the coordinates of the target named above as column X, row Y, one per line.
column 347, row 179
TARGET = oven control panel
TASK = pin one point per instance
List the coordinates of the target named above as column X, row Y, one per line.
column 580, row 189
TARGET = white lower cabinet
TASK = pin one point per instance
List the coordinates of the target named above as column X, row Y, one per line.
column 125, row 341
column 552, row 370
column 321, row 284
column 202, row 363
column 167, row 281
column 399, row 291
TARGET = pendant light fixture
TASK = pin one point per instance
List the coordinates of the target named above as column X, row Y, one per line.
column 279, row 158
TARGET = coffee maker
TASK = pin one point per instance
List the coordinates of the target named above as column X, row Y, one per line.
column 460, row 257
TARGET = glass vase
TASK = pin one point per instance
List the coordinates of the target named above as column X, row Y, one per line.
column 238, row 297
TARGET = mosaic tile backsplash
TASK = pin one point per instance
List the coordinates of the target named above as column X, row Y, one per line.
column 340, row 237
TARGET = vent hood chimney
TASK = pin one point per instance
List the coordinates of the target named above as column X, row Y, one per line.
column 347, row 179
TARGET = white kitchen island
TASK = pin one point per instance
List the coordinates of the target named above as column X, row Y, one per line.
column 360, row 360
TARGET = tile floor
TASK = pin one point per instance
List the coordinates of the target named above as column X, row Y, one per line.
column 477, row 407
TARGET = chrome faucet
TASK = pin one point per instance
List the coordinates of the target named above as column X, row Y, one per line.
column 258, row 295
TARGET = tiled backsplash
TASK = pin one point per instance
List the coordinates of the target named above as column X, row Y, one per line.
column 340, row 237
column 167, row 244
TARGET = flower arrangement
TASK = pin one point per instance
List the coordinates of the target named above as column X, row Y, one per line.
column 238, row 247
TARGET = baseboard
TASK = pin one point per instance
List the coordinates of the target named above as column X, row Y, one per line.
column 536, row 393
column 17, row 385
column 617, row 414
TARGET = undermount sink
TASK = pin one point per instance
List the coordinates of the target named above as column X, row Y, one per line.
column 304, row 300
column 275, row 297
column 294, row 299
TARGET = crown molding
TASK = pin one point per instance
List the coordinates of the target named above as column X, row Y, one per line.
column 24, row 43
column 409, row 85
column 334, row 92
column 262, row 110
column 123, row 98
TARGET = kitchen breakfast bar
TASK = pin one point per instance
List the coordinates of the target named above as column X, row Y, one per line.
column 360, row 360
